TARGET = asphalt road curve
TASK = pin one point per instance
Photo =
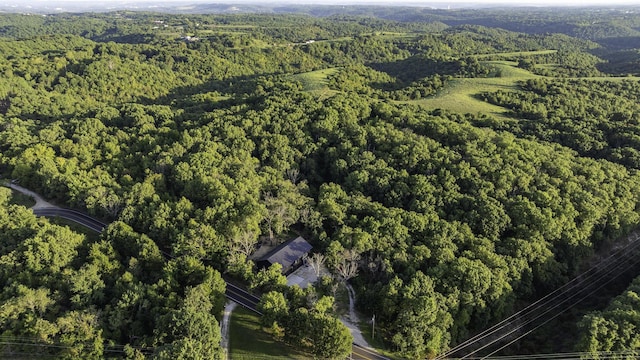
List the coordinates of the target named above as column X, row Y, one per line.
column 72, row 215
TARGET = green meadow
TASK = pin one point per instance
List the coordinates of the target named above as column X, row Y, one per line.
column 316, row 82
column 459, row 95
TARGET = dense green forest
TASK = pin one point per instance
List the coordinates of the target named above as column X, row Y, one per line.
column 616, row 328
column 76, row 298
column 198, row 136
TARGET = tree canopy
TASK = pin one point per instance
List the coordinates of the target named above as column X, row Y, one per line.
column 199, row 138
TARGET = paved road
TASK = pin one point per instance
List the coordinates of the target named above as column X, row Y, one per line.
column 363, row 353
column 72, row 215
column 242, row 297
column 46, row 209
column 233, row 292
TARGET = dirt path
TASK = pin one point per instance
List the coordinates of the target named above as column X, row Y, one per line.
column 351, row 321
column 224, row 327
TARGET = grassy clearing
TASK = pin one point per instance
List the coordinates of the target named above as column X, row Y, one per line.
column 315, row 80
column 460, row 94
column 204, row 32
column 509, row 71
column 230, row 26
column 338, row 39
column 248, row 341
column 322, row 93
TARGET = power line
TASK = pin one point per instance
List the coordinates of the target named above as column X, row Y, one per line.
column 595, row 271
column 549, row 310
column 558, row 314
column 35, row 342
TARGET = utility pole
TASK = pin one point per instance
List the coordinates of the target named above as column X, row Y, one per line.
column 373, row 327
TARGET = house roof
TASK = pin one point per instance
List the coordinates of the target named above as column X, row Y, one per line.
column 287, row 253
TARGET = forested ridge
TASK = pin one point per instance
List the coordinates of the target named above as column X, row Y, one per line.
column 197, row 137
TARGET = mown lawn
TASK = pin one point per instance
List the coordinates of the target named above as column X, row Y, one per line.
column 248, row 341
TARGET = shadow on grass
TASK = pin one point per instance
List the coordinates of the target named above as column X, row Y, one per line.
column 248, row 341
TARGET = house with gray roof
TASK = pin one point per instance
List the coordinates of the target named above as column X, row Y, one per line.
column 288, row 254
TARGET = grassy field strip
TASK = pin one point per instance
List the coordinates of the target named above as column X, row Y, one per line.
column 392, row 35
column 221, row 32
column 460, row 94
column 509, row 70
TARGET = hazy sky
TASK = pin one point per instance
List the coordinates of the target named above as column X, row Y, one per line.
column 509, row 2
column 505, row 2
column 70, row 5
column 385, row 2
